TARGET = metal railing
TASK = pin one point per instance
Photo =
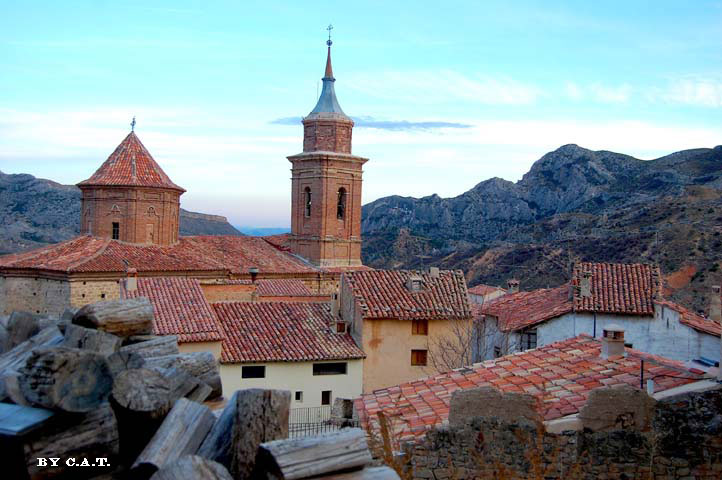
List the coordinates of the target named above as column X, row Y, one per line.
column 306, row 422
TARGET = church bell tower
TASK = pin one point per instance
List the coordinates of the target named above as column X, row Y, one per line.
column 326, row 185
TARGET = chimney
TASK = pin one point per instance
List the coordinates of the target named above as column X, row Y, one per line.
column 513, row 285
column 131, row 281
column 585, row 284
column 612, row 341
column 254, row 273
column 715, row 306
column 414, row 283
column 434, row 272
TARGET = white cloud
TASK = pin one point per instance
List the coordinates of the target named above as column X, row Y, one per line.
column 696, row 91
column 598, row 92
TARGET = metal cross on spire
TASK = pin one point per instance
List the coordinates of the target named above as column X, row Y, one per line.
column 132, row 124
column 329, row 28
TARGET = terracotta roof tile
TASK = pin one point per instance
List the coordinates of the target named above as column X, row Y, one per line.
column 524, row 309
column 693, row 320
column 131, row 165
column 482, row 289
column 560, row 374
column 384, row 294
column 281, row 332
column 233, row 254
column 618, row 288
column 180, row 308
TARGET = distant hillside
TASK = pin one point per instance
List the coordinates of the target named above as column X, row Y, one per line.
column 573, row 204
column 35, row 212
column 262, row 231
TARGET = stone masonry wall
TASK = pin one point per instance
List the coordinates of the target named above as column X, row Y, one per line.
column 676, row 438
column 37, row 295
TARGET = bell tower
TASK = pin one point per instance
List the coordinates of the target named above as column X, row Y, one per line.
column 326, row 184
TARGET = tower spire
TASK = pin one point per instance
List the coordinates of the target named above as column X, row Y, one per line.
column 329, row 42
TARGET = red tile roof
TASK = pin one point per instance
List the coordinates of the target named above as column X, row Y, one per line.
column 383, row 294
column 231, row 254
column 618, row 288
column 524, row 309
column 180, row 308
column 560, row 374
column 281, row 332
column 482, row 289
column 131, row 165
column 693, row 320
column 275, row 287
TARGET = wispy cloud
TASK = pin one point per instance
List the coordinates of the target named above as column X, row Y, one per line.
column 370, row 122
column 598, row 92
column 695, row 91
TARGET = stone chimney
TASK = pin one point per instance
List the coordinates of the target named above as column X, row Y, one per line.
column 131, row 281
column 414, row 283
column 254, row 273
column 715, row 305
column 512, row 285
column 434, row 272
column 585, row 284
column 612, row 341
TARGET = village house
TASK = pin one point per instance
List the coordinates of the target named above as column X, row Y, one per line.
column 409, row 323
column 599, row 294
column 485, row 293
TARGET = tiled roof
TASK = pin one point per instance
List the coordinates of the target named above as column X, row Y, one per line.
column 274, row 287
column 560, row 374
column 384, row 294
column 693, row 320
column 180, row 308
column 524, row 309
column 281, row 332
column 482, row 289
column 618, row 288
column 234, row 254
column 131, row 165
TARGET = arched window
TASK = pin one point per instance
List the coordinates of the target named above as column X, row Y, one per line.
column 341, row 204
column 307, row 201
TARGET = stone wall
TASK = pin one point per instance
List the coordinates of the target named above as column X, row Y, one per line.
column 83, row 292
column 632, row 437
column 37, row 295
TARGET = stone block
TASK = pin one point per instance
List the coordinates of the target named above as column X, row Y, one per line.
column 610, row 409
column 489, row 402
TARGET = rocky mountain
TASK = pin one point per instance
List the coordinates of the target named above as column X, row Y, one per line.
column 35, row 212
column 573, row 204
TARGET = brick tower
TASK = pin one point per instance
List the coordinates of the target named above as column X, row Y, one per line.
column 326, row 185
column 130, row 198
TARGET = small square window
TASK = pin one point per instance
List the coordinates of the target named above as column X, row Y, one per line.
column 418, row 358
column 497, row 352
column 255, row 371
column 326, row 397
column 299, row 397
column 419, row 327
column 340, row 327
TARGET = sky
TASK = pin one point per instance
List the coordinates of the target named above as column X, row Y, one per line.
column 444, row 94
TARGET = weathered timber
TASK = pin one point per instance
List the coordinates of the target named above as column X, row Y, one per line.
column 21, row 326
column 200, row 393
column 201, row 365
column 4, row 338
column 192, row 467
column 67, row 379
column 13, row 360
column 154, row 347
column 141, row 399
column 89, row 339
column 13, row 390
column 120, row 361
column 91, row 435
column 124, row 318
column 312, row 456
column 181, row 382
column 372, row 473
column 251, row 417
column 181, row 433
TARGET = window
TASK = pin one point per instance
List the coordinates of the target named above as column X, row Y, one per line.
column 341, row 204
column 299, row 397
column 528, row 340
column 256, row 371
column 326, row 397
column 497, row 352
column 337, row 368
column 340, row 327
column 116, row 230
column 419, row 327
column 418, row 358
column 307, row 201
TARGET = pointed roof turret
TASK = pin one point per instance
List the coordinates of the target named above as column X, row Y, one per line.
column 327, row 102
column 131, row 165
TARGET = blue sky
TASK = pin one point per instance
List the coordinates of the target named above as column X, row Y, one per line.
column 445, row 95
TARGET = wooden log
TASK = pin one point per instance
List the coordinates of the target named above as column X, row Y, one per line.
column 372, row 473
column 13, row 391
column 124, row 318
column 181, row 382
column 67, row 379
column 181, row 433
column 89, row 339
column 192, row 467
column 312, row 456
column 121, row 361
column 141, row 399
column 91, row 435
column 251, row 417
column 154, row 347
column 200, row 393
column 201, row 365
column 4, row 338
column 13, row 360
column 21, row 326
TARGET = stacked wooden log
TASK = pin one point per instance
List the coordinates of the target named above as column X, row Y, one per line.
column 95, row 384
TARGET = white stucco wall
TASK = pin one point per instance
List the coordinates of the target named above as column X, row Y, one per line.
column 297, row 376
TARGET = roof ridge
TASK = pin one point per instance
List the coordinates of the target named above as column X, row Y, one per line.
column 83, row 260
